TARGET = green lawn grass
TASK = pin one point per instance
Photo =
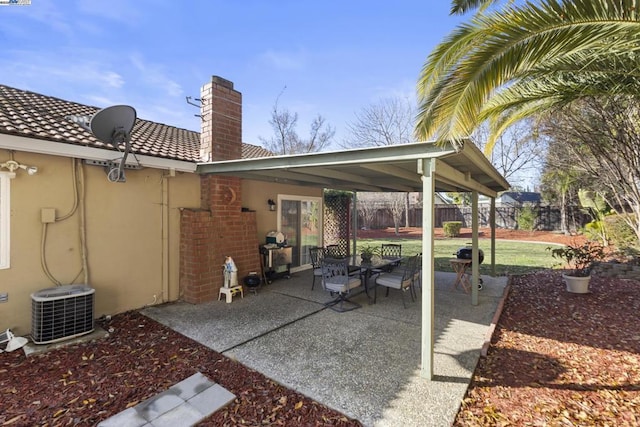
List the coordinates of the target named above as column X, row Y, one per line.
column 511, row 257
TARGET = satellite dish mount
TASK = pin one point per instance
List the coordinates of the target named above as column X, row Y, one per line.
column 113, row 125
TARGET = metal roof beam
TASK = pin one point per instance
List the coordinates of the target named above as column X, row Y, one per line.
column 475, row 156
column 395, row 172
column 343, row 176
column 294, row 176
column 275, row 178
column 448, row 174
column 358, row 187
column 399, row 187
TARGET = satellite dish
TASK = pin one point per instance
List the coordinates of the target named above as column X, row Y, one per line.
column 113, row 125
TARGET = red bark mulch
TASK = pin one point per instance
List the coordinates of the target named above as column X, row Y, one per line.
column 560, row 359
column 83, row 384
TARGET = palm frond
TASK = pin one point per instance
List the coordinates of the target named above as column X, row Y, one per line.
column 460, row 7
column 493, row 52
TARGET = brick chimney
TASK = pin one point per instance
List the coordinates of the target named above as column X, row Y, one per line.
column 221, row 134
column 219, row 228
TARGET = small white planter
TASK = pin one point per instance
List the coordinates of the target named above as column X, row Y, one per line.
column 577, row 285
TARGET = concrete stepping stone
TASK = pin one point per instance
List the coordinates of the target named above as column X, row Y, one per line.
column 185, row 403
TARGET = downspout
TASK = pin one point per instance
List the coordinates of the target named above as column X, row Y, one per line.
column 165, row 235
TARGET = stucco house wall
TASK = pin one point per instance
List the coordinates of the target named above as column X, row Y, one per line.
column 255, row 195
column 124, row 236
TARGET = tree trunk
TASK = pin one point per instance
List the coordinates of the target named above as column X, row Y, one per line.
column 406, row 210
column 564, row 226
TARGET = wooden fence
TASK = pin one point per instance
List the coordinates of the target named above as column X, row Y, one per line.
column 548, row 217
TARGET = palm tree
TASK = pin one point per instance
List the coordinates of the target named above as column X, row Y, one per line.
column 561, row 181
column 514, row 62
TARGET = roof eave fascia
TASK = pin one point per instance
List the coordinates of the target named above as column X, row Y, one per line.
column 39, row 146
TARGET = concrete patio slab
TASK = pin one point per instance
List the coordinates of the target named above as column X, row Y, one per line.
column 364, row 363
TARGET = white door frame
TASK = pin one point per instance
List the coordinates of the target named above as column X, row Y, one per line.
column 299, row 198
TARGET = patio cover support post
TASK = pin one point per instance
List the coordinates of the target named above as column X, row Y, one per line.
column 426, row 167
column 492, row 224
column 475, row 258
column 354, row 222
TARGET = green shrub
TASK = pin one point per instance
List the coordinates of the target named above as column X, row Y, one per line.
column 620, row 233
column 452, row 228
column 527, row 218
column 596, row 231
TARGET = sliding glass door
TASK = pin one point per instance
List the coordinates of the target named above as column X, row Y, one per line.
column 300, row 219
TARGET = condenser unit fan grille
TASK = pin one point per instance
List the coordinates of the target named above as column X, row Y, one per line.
column 61, row 313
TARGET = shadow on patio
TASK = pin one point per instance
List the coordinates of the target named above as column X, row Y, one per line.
column 364, row 363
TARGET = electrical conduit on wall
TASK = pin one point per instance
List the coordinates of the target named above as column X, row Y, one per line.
column 78, row 202
column 83, row 228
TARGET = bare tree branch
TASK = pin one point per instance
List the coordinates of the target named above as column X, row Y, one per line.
column 517, row 154
column 285, row 139
column 388, row 122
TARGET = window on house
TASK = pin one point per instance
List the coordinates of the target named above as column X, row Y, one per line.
column 5, row 198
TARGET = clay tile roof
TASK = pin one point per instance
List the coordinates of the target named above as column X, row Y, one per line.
column 33, row 115
column 250, row 151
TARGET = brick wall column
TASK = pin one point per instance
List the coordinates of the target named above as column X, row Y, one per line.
column 197, row 271
column 220, row 228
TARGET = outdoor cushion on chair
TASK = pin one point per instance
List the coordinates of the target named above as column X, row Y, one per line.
column 417, row 271
column 336, row 280
column 403, row 282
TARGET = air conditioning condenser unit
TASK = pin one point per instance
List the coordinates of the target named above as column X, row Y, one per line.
column 61, row 313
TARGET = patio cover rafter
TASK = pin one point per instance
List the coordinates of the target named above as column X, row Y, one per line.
column 343, row 176
column 294, row 177
column 396, row 172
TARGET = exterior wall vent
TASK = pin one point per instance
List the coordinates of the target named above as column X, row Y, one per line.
column 61, row 313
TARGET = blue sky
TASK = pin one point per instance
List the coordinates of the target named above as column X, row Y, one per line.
column 334, row 57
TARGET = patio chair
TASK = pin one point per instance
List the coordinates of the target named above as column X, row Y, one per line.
column 316, row 255
column 334, row 251
column 337, row 280
column 403, row 279
column 391, row 250
column 417, row 275
column 417, row 272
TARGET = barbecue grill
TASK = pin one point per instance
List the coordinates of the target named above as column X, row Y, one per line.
column 467, row 253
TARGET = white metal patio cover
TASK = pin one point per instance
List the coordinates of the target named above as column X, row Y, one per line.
column 422, row 166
